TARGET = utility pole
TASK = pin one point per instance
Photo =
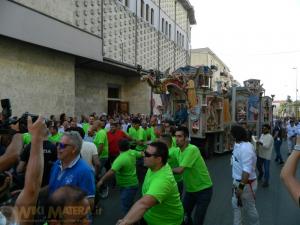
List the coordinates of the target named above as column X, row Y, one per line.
column 295, row 68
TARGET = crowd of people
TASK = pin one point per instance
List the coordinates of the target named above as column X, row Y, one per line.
column 58, row 172
column 251, row 154
column 69, row 167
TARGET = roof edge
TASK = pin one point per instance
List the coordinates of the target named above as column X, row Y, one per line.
column 190, row 10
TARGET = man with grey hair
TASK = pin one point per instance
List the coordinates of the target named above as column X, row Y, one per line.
column 70, row 169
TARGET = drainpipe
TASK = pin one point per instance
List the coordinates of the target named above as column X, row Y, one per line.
column 136, row 32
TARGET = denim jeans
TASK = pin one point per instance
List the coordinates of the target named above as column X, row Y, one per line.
column 127, row 195
column 198, row 201
column 103, row 162
column 263, row 166
column 277, row 145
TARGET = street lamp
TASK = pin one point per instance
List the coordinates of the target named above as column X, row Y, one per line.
column 272, row 123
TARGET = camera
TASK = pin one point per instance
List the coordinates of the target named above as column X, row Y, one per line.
column 7, row 120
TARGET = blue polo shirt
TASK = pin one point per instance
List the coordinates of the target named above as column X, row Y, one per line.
column 78, row 174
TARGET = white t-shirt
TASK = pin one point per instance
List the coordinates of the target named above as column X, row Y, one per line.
column 265, row 150
column 88, row 149
column 243, row 159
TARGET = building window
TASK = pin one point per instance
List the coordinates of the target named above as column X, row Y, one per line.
column 170, row 31
column 166, row 28
column 113, row 92
column 127, row 3
column 179, row 43
column 147, row 12
column 162, row 25
column 182, row 40
column 142, row 8
column 177, row 38
column 152, row 16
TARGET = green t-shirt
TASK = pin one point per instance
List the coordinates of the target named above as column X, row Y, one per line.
column 101, row 138
column 174, row 161
column 174, row 142
column 138, row 135
column 125, row 168
column 195, row 176
column 85, row 127
column 55, row 138
column 162, row 186
column 151, row 134
column 26, row 138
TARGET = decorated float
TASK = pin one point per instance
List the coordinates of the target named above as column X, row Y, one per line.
column 250, row 107
column 187, row 99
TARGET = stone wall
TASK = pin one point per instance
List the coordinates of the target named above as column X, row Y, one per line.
column 168, row 6
column 147, row 50
column 59, row 9
column 36, row 79
column 119, row 32
column 87, row 15
column 92, row 89
column 138, row 95
column 181, row 17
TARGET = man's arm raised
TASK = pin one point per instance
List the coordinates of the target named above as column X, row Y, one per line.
column 26, row 202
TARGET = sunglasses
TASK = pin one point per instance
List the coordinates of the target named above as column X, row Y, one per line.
column 62, row 145
column 147, row 154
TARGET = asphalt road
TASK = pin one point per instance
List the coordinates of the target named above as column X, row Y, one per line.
column 274, row 205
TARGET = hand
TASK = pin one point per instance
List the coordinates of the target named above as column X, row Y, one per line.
column 122, row 222
column 238, row 194
column 99, row 184
column 15, row 127
column 37, row 129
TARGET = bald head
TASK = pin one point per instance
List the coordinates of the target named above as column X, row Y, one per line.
column 98, row 124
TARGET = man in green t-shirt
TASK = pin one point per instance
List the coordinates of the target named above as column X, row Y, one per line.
column 160, row 203
column 138, row 136
column 55, row 136
column 151, row 136
column 173, row 160
column 124, row 169
column 196, row 179
column 86, row 126
column 101, row 142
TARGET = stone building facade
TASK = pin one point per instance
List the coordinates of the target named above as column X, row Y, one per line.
column 205, row 56
column 82, row 56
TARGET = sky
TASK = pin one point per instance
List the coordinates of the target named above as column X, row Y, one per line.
column 256, row 39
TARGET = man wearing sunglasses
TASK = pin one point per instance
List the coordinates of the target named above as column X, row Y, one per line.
column 160, row 203
column 70, row 169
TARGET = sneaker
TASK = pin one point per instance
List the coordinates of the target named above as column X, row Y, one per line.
column 281, row 162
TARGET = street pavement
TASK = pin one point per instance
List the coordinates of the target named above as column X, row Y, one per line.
column 274, row 204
